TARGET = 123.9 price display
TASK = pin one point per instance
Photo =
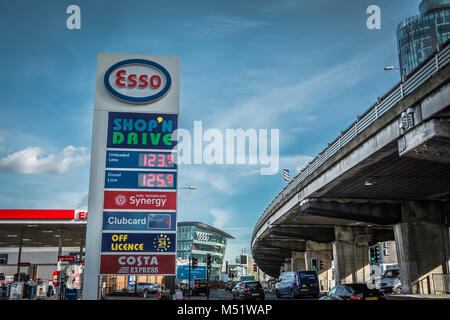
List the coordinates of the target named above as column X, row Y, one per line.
column 156, row 160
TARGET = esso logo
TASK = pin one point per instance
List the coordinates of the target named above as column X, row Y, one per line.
column 137, row 81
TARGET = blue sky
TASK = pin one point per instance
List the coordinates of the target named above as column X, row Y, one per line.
column 307, row 68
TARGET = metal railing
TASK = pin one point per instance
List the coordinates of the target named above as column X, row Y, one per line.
column 422, row 73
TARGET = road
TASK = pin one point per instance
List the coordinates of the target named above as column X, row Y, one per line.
column 221, row 294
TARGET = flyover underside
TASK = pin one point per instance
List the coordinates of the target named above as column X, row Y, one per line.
column 373, row 187
column 392, row 178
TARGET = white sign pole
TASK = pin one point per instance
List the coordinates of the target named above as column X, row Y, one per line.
column 95, row 207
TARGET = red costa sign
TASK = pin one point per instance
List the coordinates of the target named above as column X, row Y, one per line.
column 140, row 200
column 137, row 264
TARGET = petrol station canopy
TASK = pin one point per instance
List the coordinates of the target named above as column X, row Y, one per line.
column 42, row 228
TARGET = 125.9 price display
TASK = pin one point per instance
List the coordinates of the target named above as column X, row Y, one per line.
column 156, row 180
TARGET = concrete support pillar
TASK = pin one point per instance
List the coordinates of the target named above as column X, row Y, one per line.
column 422, row 246
column 350, row 252
column 298, row 261
column 322, row 252
column 308, row 256
column 287, row 264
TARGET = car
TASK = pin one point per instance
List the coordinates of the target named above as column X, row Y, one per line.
column 247, row 290
column 297, row 283
column 199, row 286
column 388, row 280
column 354, row 291
column 230, row 285
column 142, row 287
column 397, row 286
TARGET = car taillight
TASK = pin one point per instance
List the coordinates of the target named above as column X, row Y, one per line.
column 356, row 298
column 195, row 285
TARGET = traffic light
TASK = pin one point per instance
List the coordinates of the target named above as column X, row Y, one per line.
column 377, row 254
column 208, row 260
column 255, row 268
column 194, row 263
column 372, row 254
column 314, row 263
column 320, row 264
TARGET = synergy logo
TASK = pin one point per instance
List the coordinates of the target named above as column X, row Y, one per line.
column 120, row 200
column 146, row 200
column 137, row 81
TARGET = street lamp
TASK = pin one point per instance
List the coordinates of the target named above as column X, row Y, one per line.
column 190, row 188
column 390, row 68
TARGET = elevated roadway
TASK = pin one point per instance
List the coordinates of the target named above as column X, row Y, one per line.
column 386, row 177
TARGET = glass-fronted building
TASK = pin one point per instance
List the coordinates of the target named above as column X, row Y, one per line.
column 196, row 239
column 418, row 36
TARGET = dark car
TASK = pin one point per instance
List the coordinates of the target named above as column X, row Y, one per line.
column 230, row 285
column 297, row 283
column 354, row 292
column 199, row 286
column 247, row 290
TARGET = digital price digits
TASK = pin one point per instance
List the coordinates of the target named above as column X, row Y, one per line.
column 156, row 160
column 156, row 180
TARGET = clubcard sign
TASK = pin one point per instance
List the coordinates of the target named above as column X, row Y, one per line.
column 131, row 229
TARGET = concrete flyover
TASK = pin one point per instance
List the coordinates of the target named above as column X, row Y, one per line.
column 387, row 177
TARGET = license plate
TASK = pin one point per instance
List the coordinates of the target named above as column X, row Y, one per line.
column 371, row 298
column 304, row 290
column 255, row 294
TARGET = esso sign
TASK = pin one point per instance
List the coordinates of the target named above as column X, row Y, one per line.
column 137, row 81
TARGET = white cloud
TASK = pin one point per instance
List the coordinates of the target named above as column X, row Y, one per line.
column 221, row 218
column 34, row 160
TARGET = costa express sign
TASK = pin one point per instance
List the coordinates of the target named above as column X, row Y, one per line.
column 137, row 81
column 137, row 264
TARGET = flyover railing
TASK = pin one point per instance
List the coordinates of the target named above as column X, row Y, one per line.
column 423, row 72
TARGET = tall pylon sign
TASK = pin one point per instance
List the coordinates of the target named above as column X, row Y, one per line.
column 132, row 220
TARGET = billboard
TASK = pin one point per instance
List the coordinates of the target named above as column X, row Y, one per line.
column 183, row 272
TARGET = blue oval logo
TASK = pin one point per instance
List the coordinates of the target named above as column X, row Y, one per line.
column 137, row 81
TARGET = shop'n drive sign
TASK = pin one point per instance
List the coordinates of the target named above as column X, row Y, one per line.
column 131, row 228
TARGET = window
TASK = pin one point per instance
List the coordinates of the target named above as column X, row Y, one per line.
column 340, row 290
